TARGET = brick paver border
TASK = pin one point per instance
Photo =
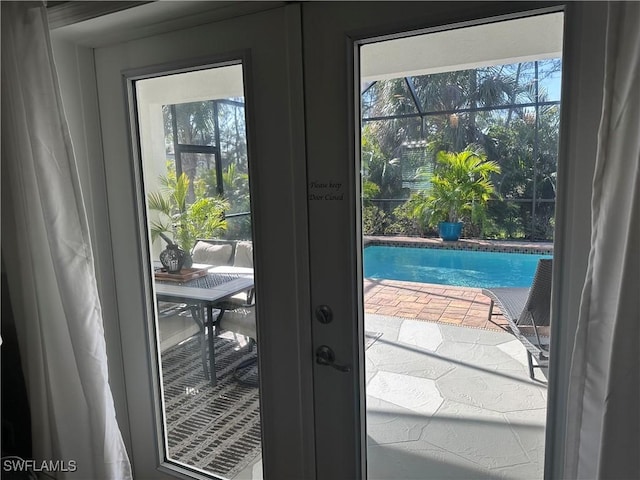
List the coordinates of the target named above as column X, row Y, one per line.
column 462, row 306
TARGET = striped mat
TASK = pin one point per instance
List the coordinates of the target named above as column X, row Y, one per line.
column 216, row 429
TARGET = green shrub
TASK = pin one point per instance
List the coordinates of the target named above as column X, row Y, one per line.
column 374, row 220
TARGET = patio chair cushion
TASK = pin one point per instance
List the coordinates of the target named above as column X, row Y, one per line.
column 240, row 320
column 244, row 254
column 210, row 254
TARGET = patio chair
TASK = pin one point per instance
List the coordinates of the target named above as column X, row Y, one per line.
column 240, row 318
column 528, row 312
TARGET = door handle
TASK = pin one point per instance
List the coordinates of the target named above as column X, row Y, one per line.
column 326, row 356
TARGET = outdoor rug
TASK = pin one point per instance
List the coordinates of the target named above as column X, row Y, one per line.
column 216, row 429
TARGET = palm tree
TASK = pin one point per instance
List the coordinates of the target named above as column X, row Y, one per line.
column 460, row 187
column 378, row 167
column 195, row 125
column 236, row 188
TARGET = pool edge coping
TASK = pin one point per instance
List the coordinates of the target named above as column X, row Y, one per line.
column 534, row 248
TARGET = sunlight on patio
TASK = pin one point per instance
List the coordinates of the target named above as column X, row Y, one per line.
column 446, row 401
column 447, row 398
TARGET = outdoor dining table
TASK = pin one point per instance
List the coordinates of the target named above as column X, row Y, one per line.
column 202, row 296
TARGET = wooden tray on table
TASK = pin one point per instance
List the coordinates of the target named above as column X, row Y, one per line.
column 185, row 274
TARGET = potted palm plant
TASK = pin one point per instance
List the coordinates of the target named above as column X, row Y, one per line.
column 460, row 187
column 184, row 221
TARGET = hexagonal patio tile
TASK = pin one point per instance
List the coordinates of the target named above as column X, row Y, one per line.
column 478, row 435
column 390, row 423
column 421, row 334
column 401, row 358
column 491, row 418
column 497, row 391
column 529, row 427
column 389, row 326
column 419, row 395
column 475, row 356
column 515, row 350
column 420, row 460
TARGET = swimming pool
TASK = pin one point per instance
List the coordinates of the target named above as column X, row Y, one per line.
column 467, row 268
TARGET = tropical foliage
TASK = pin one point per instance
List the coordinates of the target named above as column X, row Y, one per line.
column 461, row 187
column 510, row 112
column 236, row 191
column 207, row 124
column 184, row 221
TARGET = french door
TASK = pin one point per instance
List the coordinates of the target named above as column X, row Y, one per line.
column 251, row 64
column 301, row 89
column 332, row 108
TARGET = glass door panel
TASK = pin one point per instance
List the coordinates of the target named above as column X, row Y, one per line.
column 205, row 322
column 451, row 392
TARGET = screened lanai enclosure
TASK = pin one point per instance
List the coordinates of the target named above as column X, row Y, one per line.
column 507, row 109
column 507, row 112
column 206, row 141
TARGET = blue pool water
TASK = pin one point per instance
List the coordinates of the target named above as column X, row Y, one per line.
column 451, row 267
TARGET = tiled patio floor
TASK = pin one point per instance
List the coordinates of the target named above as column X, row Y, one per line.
column 463, row 306
column 446, row 402
column 454, row 402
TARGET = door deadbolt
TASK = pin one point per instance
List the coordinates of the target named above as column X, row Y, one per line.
column 324, row 314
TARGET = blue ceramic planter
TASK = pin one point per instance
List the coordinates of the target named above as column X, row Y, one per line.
column 450, row 230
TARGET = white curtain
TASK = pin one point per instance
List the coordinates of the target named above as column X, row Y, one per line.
column 604, row 405
column 49, row 262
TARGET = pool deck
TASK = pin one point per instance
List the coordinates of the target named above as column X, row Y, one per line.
column 463, row 306
column 482, row 417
